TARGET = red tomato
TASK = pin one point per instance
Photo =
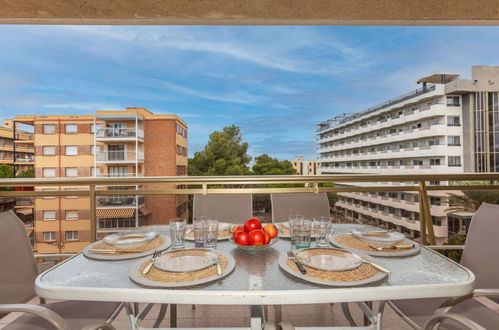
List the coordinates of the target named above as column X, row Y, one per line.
column 241, row 237
column 236, row 229
column 252, row 224
column 267, row 238
column 271, row 230
column 256, row 237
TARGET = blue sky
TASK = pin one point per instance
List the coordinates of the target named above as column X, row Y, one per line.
column 276, row 83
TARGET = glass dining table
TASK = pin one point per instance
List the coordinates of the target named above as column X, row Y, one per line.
column 256, row 281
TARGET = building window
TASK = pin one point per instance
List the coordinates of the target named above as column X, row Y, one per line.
column 92, row 128
column 48, row 215
column 454, row 161
column 49, row 129
column 71, row 128
column 49, row 235
column 71, row 171
column 453, row 140
column 453, row 121
column 71, row 150
column 71, row 236
column 435, row 161
column 417, row 162
column 453, row 101
column 181, row 170
column 71, row 215
column 48, row 150
column 181, row 130
column 49, row 172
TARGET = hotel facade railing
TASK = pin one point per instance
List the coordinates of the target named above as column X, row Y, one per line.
column 255, row 185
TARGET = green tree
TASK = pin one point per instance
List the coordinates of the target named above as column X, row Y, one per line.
column 224, row 154
column 266, row 165
column 454, row 254
column 470, row 200
column 29, row 173
column 6, row 171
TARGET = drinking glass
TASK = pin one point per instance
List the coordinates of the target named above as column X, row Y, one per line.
column 210, row 233
column 322, row 230
column 177, row 231
column 302, row 234
column 198, row 231
column 294, row 220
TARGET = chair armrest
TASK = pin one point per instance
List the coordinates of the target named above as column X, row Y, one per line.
column 100, row 326
column 37, row 310
column 485, row 292
column 435, row 319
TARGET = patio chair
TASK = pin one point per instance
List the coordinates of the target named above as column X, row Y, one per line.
column 480, row 255
column 308, row 204
column 18, row 271
column 235, row 208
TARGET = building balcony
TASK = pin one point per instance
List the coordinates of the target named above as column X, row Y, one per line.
column 119, row 175
column 28, row 160
column 119, row 157
column 25, row 202
column 121, row 201
column 118, row 134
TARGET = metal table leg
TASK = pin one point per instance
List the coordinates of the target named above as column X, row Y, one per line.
column 173, row 315
column 256, row 317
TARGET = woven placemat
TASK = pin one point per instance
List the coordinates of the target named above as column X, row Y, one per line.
column 353, row 242
column 174, row 277
column 360, row 273
column 224, row 234
column 151, row 245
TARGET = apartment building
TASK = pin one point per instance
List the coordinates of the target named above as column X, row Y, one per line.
column 304, row 167
column 16, row 147
column 123, row 143
column 449, row 125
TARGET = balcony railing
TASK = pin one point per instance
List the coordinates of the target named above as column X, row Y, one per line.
column 25, row 159
column 344, row 119
column 119, row 156
column 119, row 175
column 258, row 185
column 122, row 133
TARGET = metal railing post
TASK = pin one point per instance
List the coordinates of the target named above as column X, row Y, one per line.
column 426, row 222
column 93, row 221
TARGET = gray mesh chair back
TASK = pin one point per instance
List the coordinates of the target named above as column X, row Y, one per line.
column 17, row 264
column 481, row 251
column 235, row 208
column 307, row 204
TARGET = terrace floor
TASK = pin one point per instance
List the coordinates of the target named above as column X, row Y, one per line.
column 232, row 316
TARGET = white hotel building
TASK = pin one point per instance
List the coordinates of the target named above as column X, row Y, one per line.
column 449, row 125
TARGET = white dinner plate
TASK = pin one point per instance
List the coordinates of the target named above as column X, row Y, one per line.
column 128, row 240
column 390, row 238
column 332, row 260
column 169, row 262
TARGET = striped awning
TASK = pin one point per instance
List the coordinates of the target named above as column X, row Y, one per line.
column 114, row 213
column 27, row 211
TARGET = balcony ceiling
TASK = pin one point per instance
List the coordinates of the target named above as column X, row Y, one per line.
column 195, row 12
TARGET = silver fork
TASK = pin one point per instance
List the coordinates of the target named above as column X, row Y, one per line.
column 291, row 256
column 148, row 267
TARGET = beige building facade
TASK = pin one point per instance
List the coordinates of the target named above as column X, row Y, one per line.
column 304, row 167
column 128, row 143
column 449, row 125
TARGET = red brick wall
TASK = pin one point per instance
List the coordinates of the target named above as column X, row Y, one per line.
column 160, row 160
